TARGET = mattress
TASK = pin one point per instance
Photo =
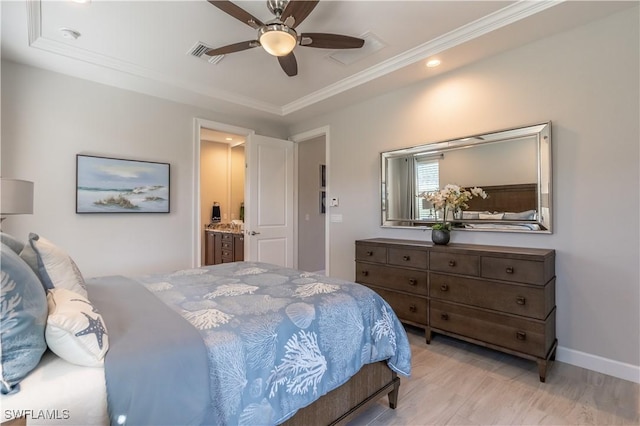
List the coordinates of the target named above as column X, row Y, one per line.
column 58, row 392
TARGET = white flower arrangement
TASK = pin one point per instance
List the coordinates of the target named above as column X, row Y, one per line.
column 451, row 197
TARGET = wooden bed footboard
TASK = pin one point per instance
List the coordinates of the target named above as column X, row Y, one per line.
column 372, row 382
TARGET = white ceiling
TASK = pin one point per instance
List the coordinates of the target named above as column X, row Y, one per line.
column 143, row 45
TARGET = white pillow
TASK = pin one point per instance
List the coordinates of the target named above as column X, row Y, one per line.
column 492, row 216
column 55, row 266
column 470, row 215
column 75, row 330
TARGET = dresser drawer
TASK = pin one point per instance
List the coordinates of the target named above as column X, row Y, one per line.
column 407, row 308
column 226, row 236
column 466, row 264
column 532, row 337
column 522, row 271
column 519, row 299
column 371, row 253
column 408, row 257
column 407, row 280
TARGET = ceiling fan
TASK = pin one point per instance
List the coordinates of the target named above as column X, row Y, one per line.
column 278, row 36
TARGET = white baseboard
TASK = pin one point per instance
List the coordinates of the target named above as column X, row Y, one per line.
column 597, row 363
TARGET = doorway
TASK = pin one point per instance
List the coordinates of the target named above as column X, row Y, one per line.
column 219, row 166
column 312, row 160
column 269, row 194
column 222, row 181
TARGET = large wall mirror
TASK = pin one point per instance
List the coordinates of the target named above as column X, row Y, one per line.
column 513, row 166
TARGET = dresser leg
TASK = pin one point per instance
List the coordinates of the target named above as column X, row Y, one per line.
column 542, row 369
column 427, row 334
column 544, row 363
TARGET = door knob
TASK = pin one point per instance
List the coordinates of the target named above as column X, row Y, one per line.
column 253, row 233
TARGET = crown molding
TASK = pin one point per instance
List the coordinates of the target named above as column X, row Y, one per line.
column 37, row 40
column 482, row 26
column 503, row 17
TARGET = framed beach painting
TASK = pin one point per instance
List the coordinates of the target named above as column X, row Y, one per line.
column 113, row 185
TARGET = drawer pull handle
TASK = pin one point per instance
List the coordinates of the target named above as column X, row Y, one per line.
column 444, row 316
column 444, row 287
column 369, row 253
column 509, row 270
column 365, row 273
column 521, row 300
column 406, row 258
column 413, row 281
column 413, row 308
column 452, row 263
column 521, row 335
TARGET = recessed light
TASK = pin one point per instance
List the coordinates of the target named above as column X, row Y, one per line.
column 69, row 33
column 81, row 1
column 433, row 63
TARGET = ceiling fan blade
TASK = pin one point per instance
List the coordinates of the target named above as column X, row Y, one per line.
column 298, row 10
column 236, row 47
column 330, row 41
column 289, row 64
column 237, row 12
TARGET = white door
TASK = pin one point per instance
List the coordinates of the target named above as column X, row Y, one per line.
column 269, row 230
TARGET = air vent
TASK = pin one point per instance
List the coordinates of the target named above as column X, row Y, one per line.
column 199, row 49
column 372, row 44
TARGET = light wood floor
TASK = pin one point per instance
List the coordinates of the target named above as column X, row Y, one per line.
column 456, row 383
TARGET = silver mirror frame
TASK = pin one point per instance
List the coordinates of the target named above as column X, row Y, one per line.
column 542, row 134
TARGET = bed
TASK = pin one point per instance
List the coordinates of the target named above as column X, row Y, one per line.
column 317, row 351
column 507, row 198
column 508, row 207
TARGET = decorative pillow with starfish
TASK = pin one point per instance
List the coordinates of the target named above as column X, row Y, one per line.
column 75, row 330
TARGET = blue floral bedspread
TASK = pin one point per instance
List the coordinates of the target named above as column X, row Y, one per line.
column 278, row 338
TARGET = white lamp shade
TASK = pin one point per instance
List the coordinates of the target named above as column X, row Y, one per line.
column 16, row 196
column 277, row 39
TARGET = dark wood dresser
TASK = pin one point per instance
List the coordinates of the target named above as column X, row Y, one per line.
column 499, row 297
column 223, row 247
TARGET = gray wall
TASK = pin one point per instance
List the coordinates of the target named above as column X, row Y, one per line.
column 48, row 118
column 585, row 81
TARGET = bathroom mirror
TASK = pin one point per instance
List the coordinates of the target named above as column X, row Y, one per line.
column 513, row 166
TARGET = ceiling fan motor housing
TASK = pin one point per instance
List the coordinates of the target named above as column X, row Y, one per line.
column 277, row 6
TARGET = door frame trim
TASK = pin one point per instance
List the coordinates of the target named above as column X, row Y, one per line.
column 198, row 124
column 301, row 137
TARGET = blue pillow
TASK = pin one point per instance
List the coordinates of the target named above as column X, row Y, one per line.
column 23, row 316
column 526, row 215
column 29, row 255
column 12, row 242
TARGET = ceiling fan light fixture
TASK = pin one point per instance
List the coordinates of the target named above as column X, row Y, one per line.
column 278, row 39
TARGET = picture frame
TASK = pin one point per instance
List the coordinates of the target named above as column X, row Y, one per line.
column 323, row 175
column 117, row 185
